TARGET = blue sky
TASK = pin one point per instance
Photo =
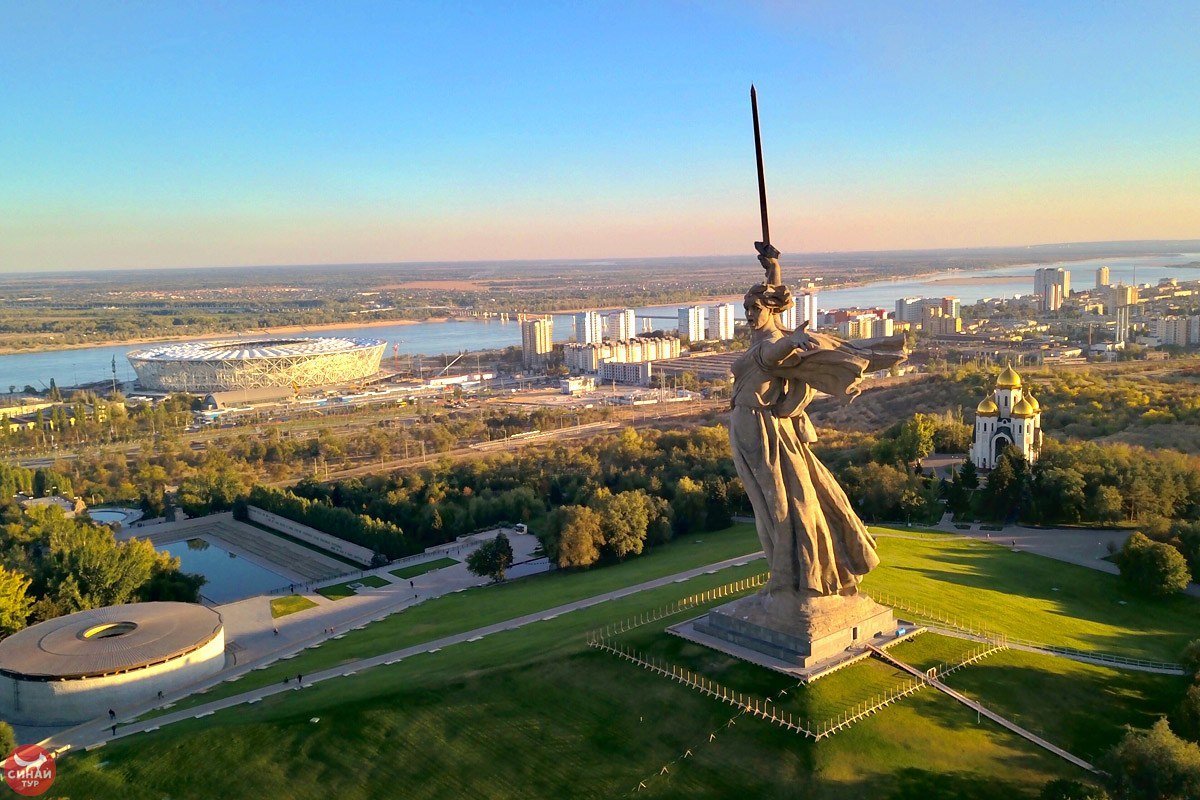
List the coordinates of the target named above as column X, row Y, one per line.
column 162, row 134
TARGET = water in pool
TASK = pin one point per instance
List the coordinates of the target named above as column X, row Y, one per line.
column 228, row 577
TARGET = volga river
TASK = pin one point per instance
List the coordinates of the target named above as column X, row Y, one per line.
column 72, row 367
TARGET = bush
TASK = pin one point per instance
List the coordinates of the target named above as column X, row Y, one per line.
column 1152, row 568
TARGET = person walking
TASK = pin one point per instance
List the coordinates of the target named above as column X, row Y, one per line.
column 112, row 715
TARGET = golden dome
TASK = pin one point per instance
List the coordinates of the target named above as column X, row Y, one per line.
column 1009, row 379
column 987, row 408
column 1037, row 407
column 1023, row 408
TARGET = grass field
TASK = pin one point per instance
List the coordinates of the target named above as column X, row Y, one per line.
column 536, row 713
column 340, row 591
column 282, row 606
column 423, row 567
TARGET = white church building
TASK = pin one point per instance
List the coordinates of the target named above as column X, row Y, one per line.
column 1008, row 417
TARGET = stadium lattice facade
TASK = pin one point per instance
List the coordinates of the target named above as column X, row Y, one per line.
column 224, row 366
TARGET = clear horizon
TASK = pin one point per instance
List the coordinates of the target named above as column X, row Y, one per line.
column 190, row 136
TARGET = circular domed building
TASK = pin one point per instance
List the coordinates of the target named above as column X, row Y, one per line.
column 1008, row 417
column 74, row 668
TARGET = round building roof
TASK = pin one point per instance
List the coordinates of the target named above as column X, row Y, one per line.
column 1023, row 408
column 987, row 407
column 1009, row 379
column 243, row 349
column 103, row 641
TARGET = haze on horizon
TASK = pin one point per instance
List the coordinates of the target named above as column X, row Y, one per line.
column 242, row 134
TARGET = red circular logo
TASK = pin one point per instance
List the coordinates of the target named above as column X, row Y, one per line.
column 29, row 770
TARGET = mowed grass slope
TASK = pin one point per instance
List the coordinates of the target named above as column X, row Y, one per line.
column 535, row 713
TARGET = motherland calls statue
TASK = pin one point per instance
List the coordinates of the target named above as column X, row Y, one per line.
column 816, row 546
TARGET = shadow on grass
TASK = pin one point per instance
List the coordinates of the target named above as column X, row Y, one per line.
column 1070, row 590
column 919, row 784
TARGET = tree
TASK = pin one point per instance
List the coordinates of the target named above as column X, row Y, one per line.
column 1185, row 720
column 8, row 739
column 579, row 536
column 915, row 439
column 1154, row 764
column 492, row 559
column 1190, row 658
column 688, row 507
column 1109, row 505
column 624, row 519
column 968, row 476
column 14, row 603
column 1152, row 568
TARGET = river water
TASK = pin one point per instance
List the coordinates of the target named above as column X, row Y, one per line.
column 85, row 365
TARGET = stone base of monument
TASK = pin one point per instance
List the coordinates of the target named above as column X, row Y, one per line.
column 803, row 637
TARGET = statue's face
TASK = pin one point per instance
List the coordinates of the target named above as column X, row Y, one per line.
column 758, row 317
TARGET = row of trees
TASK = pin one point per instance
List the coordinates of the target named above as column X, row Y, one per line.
column 51, row 565
column 382, row 537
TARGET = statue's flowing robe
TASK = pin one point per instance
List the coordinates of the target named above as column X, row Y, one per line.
column 814, row 541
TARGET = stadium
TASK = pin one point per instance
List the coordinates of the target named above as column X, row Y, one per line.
column 230, row 365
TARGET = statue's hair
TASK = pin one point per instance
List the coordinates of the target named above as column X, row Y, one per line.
column 775, row 299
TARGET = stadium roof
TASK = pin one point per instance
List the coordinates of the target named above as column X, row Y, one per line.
column 104, row 641
column 241, row 349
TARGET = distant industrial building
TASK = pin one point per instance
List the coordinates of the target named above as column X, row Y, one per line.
column 691, row 323
column 537, row 341
column 589, row 327
column 720, row 322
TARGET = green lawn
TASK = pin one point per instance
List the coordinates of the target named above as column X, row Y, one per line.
column 423, row 567
column 536, row 713
column 339, row 591
column 282, row 606
column 1031, row 597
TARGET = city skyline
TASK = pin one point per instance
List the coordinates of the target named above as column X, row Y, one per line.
column 192, row 136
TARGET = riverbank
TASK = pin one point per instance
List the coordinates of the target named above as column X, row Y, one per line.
column 6, row 349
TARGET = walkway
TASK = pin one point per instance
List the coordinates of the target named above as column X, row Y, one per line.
column 98, row 732
column 980, row 709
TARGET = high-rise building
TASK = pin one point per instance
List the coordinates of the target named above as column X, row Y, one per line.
column 691, row 323
column 537, row 341
column 1122, row 295
column 789, row 319
column 806, row 308
column 720, row 322
column 1052, row 285
column 589, row 327
column 622, row 325
column 1102, row 277
column 908, row 309
column 951, row 306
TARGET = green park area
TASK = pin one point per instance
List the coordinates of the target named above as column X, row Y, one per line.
column 282, row 606
column 425, row 566
column 340, row 591
column 535, row 712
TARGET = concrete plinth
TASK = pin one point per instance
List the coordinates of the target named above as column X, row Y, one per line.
column 799, row 631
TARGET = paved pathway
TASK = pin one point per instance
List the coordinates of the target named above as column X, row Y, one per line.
column 980, row 709
column 97, row 732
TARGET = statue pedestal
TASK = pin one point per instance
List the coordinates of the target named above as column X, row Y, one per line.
column 804, row 636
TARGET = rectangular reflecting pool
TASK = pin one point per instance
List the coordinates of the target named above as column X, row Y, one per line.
column 228, row 577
